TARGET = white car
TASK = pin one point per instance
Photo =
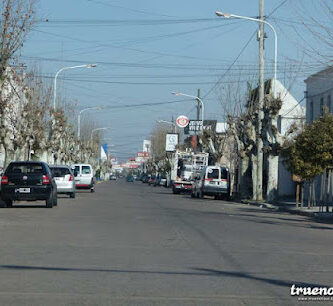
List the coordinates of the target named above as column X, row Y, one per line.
column 64, row 179
column 84, row 176
column 212, row 181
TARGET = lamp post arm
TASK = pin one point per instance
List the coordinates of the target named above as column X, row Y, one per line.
column 79, row 120
column 55, row 81
column 275, row 44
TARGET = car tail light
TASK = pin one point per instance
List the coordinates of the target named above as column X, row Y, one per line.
column 224, row 181
column 46, row 180
column 71, row 177
column 208, row 179
column 4, row 180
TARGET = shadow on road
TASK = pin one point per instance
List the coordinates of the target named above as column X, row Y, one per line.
column 193, row 272
column 256, row 215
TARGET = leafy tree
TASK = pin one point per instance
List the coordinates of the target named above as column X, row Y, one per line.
column 311, row 151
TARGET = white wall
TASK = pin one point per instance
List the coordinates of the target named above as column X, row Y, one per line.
column 319, row 85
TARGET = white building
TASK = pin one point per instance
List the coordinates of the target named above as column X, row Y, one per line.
column 319, row 93
column 291, row 113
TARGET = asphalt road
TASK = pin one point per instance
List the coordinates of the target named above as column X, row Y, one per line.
column 131, row 244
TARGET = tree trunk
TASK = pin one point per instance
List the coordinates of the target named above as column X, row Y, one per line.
column 254, row 176
column 310, row 195
column 244, row 180
column 327, row 198
column 273, row 176
column 297, row 194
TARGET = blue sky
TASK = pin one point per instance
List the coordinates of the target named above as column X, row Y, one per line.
column 146, row 49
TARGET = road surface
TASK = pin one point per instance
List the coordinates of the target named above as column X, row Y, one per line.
column 132, row 244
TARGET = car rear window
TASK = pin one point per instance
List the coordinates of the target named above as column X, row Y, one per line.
column 86, row 170
column 26, row 168
column 213, row 173
column 60, row 172
column 224, row 174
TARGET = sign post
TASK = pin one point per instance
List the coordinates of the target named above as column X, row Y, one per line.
column 171, row 142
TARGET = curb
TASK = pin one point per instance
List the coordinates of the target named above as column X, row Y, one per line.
column 288, row 210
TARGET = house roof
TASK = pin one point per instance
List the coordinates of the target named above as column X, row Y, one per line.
column 327, row 71
column 289, row 106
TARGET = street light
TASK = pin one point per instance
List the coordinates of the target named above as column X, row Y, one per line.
column 98, row 129
column 225, row 15
column 56, row 76
column 79, row 118
column 168, row 122
column 196, row 98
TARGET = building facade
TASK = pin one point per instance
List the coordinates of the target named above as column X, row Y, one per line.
column 319, row 94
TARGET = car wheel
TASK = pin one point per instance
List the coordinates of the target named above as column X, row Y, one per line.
column 9, row 203
column 55, row 201
column 72, row 195
column 92, row 190
column 50, row 201
column 201, row 194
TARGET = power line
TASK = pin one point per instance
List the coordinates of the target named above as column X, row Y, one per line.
column 274, row 10
column 229, row 68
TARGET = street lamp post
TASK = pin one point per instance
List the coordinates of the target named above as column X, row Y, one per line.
column 98, row 129
column 196, row 98
column 79, row 118
column 56, row 76
column 220, row 14
column 168, row 122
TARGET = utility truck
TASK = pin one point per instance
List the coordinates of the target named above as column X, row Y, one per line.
column 186, row 165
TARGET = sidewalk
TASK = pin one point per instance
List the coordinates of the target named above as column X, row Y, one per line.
column 290, row 207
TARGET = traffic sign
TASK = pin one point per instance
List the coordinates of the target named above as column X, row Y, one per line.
column 182, row 121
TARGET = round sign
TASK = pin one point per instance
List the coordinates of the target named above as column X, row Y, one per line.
column 182, row 121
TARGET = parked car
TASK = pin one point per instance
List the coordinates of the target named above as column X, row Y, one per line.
column 113, row 177
column 84, row 176
column 64, row 179
column 129, row 178
column 157, row 181
column 213, row 181
column 28, row 181
column 146, row 178
column 151, row 180
column 163, row 181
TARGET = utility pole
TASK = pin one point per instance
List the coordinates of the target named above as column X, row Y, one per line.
column 198, row 105
column 259, row 167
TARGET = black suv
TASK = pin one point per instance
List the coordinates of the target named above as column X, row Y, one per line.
column 28, row 181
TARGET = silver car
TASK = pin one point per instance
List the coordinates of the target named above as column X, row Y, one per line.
column 64, row 179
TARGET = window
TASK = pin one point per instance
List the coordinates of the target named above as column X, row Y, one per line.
column 60, row 172
column 213, row 173
column 86, row 170
column 224, row 173
column 311, row 111
column 329, row 103
column 321, row 106
column 26, row 168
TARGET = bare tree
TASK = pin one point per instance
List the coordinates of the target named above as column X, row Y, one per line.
column 160, row 159
column 16, row 20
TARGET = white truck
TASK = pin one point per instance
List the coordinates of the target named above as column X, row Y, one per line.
column 185, row 166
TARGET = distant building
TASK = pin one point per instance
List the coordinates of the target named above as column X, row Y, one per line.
column 291, row 113
column 319, row 93
column 146, row 146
